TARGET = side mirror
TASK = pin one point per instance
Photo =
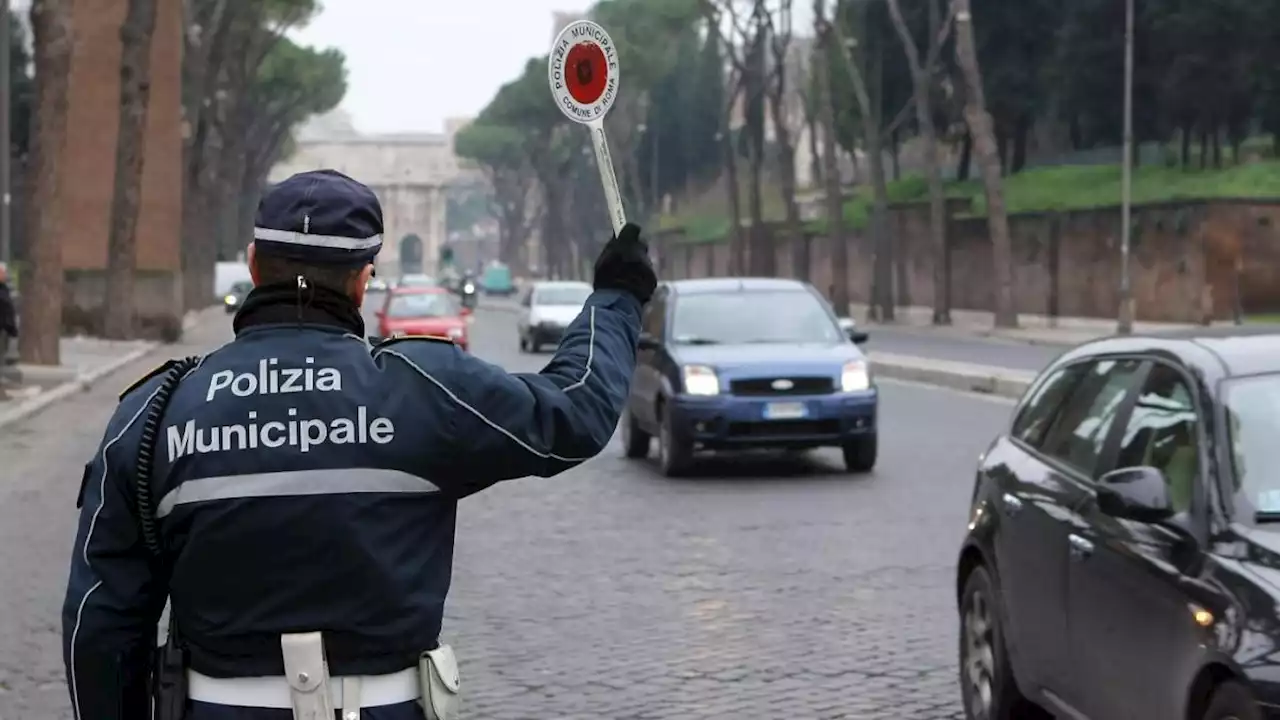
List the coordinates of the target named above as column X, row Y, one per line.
column 380, row 314
column 648, row 342
column 466, row 311
column 850, row 329
column 1135, row 493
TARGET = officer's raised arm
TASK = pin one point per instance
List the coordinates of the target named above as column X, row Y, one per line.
column 115, row 594
column 508, row 426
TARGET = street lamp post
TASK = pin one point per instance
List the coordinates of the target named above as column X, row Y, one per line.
column 1125, row 320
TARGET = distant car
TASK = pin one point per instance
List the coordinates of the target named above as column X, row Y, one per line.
column 496, row 280
column 235, row 298
column 376, row 284
column 423, row 311
column 416, row 280
column 1122, row 558
column 546, row 311
column 737, row 363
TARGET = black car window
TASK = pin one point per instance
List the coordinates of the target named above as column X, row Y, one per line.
column 1161, row 433
column 1038, row 412
column 1080, row 431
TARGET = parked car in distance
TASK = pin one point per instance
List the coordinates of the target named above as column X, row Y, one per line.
column 423, row 311
column 236, row 295
column 546, row 311
column 743, row 363
column 1122, row 558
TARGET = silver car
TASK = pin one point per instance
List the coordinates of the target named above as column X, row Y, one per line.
column 547, row 309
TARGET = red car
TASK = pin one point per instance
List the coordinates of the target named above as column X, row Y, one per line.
column 423, row 311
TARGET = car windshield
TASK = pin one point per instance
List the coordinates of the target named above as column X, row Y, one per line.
column 773, row 316
column 1253, row 423
column 417, row 280
column 241, row 288
column 572, row 295
column 422, row 305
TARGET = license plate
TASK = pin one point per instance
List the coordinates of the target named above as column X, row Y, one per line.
column 785, row 411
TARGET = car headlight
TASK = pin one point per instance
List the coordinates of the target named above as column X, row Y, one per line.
column 456, row 333
column 855, row 376
column 230, row 299
column 468, row 288
column 701, row 380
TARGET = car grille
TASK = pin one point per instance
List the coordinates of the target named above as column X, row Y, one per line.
column 763, row 387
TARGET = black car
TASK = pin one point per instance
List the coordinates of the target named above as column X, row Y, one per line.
column 744, row 363
column 1122, row 560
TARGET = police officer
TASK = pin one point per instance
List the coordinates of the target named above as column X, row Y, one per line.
column 304, row 483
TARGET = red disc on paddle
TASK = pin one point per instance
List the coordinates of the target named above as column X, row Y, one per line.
column 586, row 72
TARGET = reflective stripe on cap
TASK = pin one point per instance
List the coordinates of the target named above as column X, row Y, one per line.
column 336, row 242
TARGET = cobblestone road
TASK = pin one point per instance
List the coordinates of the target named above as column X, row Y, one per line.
column 758, row 589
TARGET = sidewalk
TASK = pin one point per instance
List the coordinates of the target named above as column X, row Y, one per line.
column 1033, row 329
column 85, row 361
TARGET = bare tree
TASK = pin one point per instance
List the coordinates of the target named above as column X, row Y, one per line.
column 882, row 305
column 779, row 33
column 52, row 39
column 830, row 162
column 922, row 77
column 988, row 155
column 718, row 14
column 135, row 98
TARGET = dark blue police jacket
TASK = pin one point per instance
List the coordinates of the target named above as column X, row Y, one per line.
column 307, row 481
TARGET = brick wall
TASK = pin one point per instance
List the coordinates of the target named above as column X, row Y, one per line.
column 1185, row 259
column 89, row 167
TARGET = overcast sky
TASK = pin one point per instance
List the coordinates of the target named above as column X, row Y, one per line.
column 413, row 63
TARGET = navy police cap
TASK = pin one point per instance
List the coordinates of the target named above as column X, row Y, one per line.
column 321, row 217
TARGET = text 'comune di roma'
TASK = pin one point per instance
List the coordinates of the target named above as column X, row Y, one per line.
column 272, row 433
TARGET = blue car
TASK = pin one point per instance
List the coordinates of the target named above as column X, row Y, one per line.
column 744, row 363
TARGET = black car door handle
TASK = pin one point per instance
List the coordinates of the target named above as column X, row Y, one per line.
column 1012, row 503
column 1080, row 547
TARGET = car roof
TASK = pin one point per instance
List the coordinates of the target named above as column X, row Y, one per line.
column 1238, row 349
column 735, row 284
column 418, row 290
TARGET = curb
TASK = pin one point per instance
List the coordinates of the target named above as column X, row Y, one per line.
column 65, row 390
column 983, row 379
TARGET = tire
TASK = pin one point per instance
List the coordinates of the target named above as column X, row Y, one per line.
column 987, row 687
column 675, row 453
column 635, row 442
column 1232, row 700
column 524, row 344
column 860, row 453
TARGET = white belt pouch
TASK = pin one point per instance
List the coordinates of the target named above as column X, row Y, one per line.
column 438, row 673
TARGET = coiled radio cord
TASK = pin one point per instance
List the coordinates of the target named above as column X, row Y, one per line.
column 147, row 449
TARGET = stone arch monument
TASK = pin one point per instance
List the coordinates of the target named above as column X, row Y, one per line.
column 409, row 174
column 410, row 254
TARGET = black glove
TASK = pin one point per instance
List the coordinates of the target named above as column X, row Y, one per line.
column 624, row 265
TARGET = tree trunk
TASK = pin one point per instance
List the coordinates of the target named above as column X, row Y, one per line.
column 119, row 310
column 975, row 112
column 785, row 148
column 836, row 241
column 882, row 272
column 922, row 81
column 737, row 243
column 42, row 288
column 966, row 157
column 815, row 155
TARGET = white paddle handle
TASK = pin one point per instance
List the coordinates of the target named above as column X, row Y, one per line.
column 608, row 178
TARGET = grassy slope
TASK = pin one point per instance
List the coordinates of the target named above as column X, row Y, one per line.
column 1043, row 189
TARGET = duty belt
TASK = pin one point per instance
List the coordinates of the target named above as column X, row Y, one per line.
column 273, row 692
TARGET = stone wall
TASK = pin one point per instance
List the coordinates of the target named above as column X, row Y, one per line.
column 1190, row 260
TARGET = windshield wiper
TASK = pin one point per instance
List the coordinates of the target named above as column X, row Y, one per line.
column 693, row 340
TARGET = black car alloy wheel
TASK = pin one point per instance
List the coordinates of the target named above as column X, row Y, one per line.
column 986, row 679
